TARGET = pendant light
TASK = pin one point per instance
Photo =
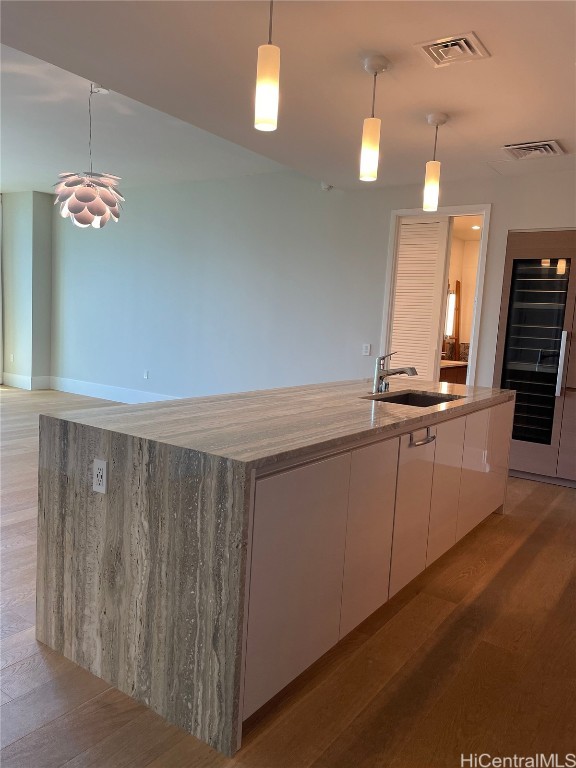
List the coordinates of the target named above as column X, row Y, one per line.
column 432, row 181
column 267, row 83
column 89, row 198
column 370, row 151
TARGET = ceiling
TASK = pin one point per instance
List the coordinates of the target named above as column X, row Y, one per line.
column 462, row 227
column 196, row 61
column 45, row 132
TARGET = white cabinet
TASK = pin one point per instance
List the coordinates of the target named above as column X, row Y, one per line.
column 473, row 484
column 298, row 544
column 413, row 496
column 445, row 487
column 369, row 532
column 484, row 465
column 332, row 540
column 500, row 420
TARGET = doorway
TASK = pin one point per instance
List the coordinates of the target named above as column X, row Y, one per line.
column 463, row 256
column 434, row 291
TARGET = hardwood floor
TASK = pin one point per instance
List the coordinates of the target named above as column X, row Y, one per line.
column 477, row 655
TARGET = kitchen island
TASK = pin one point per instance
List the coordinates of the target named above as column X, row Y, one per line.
column 241, row 536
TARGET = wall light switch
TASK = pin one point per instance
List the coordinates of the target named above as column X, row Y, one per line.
column 99, row 475
column 146, row 374
column 366, row 349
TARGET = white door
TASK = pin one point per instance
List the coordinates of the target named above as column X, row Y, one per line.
column 419, row 294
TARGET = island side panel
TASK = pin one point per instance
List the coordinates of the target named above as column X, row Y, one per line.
column 144, row 585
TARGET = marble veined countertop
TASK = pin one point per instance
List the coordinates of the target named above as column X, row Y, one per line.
column 268, row 426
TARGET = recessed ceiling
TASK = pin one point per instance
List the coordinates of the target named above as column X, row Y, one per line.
column 45, row 132
column 196, row 61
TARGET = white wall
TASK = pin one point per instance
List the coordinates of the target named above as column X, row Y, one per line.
column 469, row 272
column 463, row 267
column 455, row 264
column 26, row 267
column 43, row 207
column 222, row 286
column 257, row 282
column 546, row 201
column 17, row 287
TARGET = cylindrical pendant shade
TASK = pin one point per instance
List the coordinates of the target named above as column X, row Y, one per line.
column 432, row 186
column 370, row 152
column 267, row 88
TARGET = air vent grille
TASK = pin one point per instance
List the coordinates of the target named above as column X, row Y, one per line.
column 453, row 50
column 533, row 149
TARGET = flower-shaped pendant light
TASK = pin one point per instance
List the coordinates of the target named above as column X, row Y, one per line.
column 89, row 198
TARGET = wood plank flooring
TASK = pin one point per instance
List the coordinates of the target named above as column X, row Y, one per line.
column 476, row 655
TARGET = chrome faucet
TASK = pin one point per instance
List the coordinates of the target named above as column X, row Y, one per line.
column 381, row 374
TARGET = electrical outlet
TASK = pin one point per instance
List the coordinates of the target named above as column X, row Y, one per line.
column 99, row 475
column 366, row 349
column 11, row 358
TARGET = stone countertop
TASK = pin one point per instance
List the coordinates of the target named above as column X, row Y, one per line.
column 266, row 427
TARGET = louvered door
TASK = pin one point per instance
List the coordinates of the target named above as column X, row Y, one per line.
column 419, row 295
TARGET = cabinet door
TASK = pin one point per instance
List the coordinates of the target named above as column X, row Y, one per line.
column 484, row 465
column 369, row 531
column 472, row 506
column 298, row 544
column 500, row 422
column 567, row 454
column 413, row 495
column 445, row 487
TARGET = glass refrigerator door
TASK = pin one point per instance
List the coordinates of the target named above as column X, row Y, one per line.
column 534, row 344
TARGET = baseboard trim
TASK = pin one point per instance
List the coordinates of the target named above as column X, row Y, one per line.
column 16, row 380
column 106, row 392
column 543, row 478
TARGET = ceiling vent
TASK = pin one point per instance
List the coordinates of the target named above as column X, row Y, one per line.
column 453, row 50
column 533, row 149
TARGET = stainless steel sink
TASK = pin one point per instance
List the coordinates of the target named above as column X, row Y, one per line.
column 414, row 398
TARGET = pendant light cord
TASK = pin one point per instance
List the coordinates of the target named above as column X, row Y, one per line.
column 270, row 22
column 90, row 126
column 435, row 143
column 374, row 92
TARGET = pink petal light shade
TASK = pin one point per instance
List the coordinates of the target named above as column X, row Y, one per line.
column 89, row 198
